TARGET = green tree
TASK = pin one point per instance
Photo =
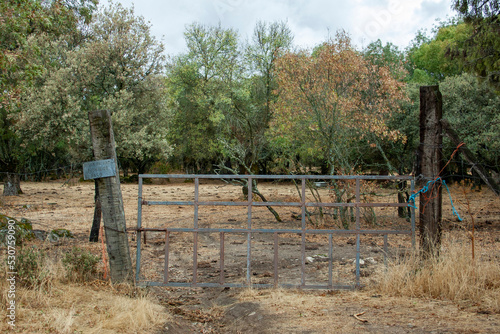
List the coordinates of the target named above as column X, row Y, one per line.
column 480, row 52
column 200, row 84
column 253, row 94
column 430, row 60
column 387, row 55
column 22, row 62
column 118, row 68
column 471, row 107
column 269, row 40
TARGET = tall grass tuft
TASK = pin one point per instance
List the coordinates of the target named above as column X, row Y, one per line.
column 453, row 276
column 62, row 294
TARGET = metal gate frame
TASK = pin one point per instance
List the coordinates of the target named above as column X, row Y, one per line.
column 303, row 231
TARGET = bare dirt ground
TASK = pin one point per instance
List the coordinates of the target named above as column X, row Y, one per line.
column 52, row 205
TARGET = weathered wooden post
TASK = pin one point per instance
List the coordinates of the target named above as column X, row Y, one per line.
column 428, row 168
column 105, row 171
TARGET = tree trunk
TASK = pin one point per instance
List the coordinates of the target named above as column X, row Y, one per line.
column 430, row 165
column 275, row 214
column 256, row 191
column 110, row 194
column 403, row 212
column 12, row 185
column 96, row 223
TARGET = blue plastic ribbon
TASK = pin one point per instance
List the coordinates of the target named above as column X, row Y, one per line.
column 425, row 189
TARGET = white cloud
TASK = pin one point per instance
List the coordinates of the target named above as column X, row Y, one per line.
column 311, row 21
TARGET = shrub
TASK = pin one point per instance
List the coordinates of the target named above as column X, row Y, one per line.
column 80, row 264
column 29, row 267
column 57, row 234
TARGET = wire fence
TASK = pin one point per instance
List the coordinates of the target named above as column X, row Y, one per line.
column 42, row 174
column 458, row 170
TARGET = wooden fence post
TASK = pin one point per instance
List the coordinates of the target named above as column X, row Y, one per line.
column 110, row 194
column 428, row 168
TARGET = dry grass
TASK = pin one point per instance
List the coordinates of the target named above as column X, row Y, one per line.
column 453, row 276
column 59, row 306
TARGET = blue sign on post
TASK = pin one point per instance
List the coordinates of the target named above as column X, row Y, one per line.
column 99, row 169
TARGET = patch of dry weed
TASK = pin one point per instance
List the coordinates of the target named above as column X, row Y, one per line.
column 59, row 306
column 453, row 276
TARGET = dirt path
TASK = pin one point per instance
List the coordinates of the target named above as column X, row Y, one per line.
column 288, row 311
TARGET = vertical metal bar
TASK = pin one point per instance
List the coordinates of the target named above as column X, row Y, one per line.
column 275, row 259
column 249, row 226
column 195, row 233
column 222, row 278
column 196, row 201
column 412, row 211
column 139, row 224
column 358, row 201
column 330, row 261
column 195, row 258
column 386, row 250
column 358, row 227
column 167, row 250
column 303, row 240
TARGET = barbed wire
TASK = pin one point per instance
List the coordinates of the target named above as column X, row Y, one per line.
column 42, row 171
column 447, row 173
column 69, row 172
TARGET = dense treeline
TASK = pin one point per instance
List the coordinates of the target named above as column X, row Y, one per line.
column 260, row 106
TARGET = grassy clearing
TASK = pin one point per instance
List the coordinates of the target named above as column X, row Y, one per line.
column 453, row 276
column 61, row 302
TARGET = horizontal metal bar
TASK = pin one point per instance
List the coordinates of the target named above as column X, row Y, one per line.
column 307, row 286
column 251, row 203
column 198, row 285
column 262, row 230
column 277, row 177
column 236, row 285
column 167, row 202
column 199, row 203
column 293, row 204
column 328, row 205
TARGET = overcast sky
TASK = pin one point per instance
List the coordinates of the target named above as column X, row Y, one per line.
column 311, row 21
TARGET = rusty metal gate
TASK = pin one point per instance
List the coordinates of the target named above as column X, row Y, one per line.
column 250, row 203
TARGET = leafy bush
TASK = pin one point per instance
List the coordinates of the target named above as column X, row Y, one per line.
column 29, row 267
column 80, row 264
column 57, row 234
column 161, row 167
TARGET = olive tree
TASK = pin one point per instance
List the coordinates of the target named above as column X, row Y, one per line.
column 200, row 84
column 27, row 30
column 118, row 68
